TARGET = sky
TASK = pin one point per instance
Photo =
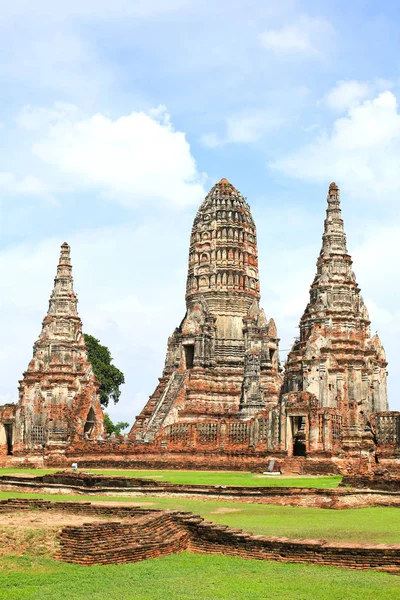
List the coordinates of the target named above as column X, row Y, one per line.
column 118, row 116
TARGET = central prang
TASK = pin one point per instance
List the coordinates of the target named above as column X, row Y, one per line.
column 222, row 360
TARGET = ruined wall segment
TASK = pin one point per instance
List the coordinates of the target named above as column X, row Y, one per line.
column 58, row 395
column 222, row 361
column 335, row 358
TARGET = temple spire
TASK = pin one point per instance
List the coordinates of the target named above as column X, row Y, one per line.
column 61, row 339
column 334, row 237
column 63, row 301
column 335, row 358
column 334, row 282
column 59, row 393
column 65, row 259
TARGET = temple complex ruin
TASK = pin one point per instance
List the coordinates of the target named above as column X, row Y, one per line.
column 222, row 388
column 58, row 395
column 224, row 400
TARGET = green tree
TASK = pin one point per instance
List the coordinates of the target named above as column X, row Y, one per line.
column 110, row 378
column 111, row 428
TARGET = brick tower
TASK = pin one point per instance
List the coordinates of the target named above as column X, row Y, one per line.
column 335, row 358
column 222, row 361
column 58, row 395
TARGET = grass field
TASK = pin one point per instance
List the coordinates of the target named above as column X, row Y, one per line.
column 365, row 525
column 202, row 577
column 190, row 577
column 206, row 477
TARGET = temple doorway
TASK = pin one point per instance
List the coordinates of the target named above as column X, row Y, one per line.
column 189, row 355
column 8, row 427
column 90, row 423
column 298, row 424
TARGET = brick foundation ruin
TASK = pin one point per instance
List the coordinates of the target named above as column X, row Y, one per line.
column 138, row 534
column 354, row 492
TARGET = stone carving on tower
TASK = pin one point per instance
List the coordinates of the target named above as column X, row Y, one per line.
column 58, row 395
column 222, row 361
column 335, row 358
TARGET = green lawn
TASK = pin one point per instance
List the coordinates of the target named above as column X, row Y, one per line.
column 366, row 525
column 190, row 577
column 202, row 577
column 207, row 477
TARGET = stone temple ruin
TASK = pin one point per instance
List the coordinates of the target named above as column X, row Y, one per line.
column 58, row 395
column 222, row 389
column 222, row 361
column 335, row 376
column 223, row 400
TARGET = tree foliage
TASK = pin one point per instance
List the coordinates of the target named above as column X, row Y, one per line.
column 114, row 428
column 110, row 378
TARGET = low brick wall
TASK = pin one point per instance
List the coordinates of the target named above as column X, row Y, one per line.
column 143, row 533
column 378, row 482
column 216, row 539
column 81, row 508
column 114, row 456
column 86, row 483
column 125, row 456
column 197, row 460
column 149, row 536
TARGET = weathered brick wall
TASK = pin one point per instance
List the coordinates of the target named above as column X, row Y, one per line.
column 83, row 508
column 218, row 539
column 115, row 457
column 233, row 460
column 145, row 533
column 110, row 543
column 378, row 482
column 310, row 497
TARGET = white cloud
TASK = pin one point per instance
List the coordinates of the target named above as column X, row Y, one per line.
column 349, row 93
column 132, row 159
column 346, row 94
column 306, row 37
column 246, row 127
column 362, row 151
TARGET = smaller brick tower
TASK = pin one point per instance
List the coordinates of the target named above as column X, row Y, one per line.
column 335, row 361
column 58, row 395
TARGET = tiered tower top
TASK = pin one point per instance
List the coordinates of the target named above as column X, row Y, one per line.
column 63, row 301
column 223, row 258
column 61, row 344
column 335, row 299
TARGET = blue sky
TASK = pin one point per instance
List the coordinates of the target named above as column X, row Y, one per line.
column 117, row 117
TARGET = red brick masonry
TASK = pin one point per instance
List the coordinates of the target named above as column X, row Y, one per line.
column 86, row 483
column 142, row 533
